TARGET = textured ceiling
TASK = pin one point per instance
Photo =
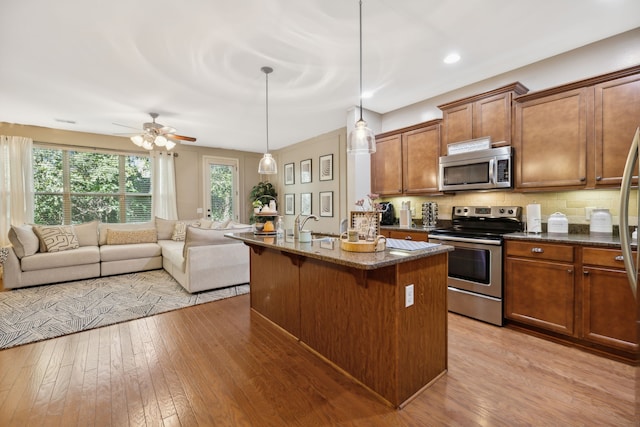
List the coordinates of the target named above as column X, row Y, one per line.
column 197, row 62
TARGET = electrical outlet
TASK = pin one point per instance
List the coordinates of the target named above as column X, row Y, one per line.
column 408, row 295
column 199, row 210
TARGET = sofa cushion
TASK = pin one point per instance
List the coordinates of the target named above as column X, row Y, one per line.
column 128, row 237
column 165, row 228
column 87, row 233
column 104, row 226
column 56, row 238
column 42, row 261
column 24, row 240
column 127, row 252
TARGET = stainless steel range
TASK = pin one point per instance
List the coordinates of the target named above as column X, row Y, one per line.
column 475, row 267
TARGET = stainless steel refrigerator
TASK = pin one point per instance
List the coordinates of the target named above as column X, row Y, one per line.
column 630, row 264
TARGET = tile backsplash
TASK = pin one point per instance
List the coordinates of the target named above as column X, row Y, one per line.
column 570, row 203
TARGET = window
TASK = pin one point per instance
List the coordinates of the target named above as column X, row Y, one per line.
column 75, row 186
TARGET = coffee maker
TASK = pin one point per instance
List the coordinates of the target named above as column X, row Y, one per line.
column 388, row 214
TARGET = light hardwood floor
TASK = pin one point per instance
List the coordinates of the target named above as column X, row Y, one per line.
column 219, row 364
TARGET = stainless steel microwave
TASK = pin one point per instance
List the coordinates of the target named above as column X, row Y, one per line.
column 476, row 170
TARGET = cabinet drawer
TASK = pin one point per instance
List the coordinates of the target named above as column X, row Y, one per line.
column 540, row 250
column 603, row 257
column 408, row 235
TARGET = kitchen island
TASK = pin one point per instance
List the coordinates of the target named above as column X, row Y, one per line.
column 380, row 317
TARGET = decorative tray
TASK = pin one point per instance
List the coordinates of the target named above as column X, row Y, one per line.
column 377, row 245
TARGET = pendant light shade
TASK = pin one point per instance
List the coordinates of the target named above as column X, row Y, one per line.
column 361, row 139
column 267, row 165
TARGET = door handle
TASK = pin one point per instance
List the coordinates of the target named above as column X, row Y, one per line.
column 537, row 250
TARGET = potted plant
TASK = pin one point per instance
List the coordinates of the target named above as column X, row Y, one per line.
column 257, row 194
column 257, row 205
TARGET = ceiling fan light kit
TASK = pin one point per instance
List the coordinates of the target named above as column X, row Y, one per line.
column 361, row 139
column 157, row 135
column 267, row 165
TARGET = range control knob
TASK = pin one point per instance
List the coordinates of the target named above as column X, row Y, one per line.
column 510, row 211
column 501, row 210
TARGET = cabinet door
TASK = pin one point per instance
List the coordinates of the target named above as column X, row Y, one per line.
column 551, row 141
column 617, row 115
column 540, row 293
column 386, row 166
column 492, row 117
column 608, row 309
column 420, row 156
column 457, row 125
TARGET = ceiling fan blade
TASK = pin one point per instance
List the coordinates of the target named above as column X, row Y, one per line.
column 127, row 126
column 181, row 137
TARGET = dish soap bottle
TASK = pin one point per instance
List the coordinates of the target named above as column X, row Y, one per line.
column 279, row 229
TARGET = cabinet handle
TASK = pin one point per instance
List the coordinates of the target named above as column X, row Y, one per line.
column 598, row 178
column 583, row 179
column 569, row 271
column 537, row 250
column 585, row 272
column 619, row 258
column 408, row 238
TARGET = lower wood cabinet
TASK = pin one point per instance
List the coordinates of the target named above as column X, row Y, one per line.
column 580, row 293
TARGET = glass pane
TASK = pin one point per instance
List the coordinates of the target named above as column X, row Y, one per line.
column 93, row 172
column 138, row 208
column 137, row 174
column 47, row 171
column 221, row 178
column 90, row 207
column 48, row 209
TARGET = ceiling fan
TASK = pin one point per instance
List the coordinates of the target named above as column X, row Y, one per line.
column 157, row 135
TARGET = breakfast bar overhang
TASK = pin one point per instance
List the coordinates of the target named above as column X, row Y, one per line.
column 381, row 317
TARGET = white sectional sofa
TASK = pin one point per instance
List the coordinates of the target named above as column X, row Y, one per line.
column 195, row 253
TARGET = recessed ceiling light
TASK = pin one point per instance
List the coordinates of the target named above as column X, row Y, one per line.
column 452, row 58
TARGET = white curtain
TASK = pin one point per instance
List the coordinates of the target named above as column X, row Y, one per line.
column 163, row 185
column 16, row 184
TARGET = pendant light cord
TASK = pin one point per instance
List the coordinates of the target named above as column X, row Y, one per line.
column 266, row 76
column 360, row 59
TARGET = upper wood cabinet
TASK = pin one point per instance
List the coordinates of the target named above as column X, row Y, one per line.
column 577, row 135
column 617, row 115
column 486, row 114
column 406, row 160
column 551, row 141
column 386, row 166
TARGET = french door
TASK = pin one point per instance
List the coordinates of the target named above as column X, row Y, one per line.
column 221, row 188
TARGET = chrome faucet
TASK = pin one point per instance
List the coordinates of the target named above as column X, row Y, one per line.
column 297, row 225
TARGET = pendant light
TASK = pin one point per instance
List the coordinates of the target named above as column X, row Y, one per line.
column 267, row 165
column 361, row 139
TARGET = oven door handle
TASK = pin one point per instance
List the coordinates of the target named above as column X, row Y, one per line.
column 466, row 240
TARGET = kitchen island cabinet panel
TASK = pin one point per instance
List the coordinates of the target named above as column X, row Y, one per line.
column 275, row 288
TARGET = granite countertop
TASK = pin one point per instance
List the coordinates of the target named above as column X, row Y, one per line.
column 328, row 249
column 607, row 241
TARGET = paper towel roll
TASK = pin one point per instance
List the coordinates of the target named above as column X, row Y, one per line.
column 534, row 218
column 405, row 218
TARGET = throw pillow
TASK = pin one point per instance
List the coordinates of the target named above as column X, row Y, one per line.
column 179, row 231
column 165, row 228
column 56, row 238
column 222, row 225
column 87, row 233
column 202, row 237
column 24, row 240
column 129, row 226
column 127, row 237
column 206, row 223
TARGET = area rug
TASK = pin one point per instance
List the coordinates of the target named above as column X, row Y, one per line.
column 43, row 312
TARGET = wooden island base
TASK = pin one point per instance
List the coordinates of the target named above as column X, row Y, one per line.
column 357, row 319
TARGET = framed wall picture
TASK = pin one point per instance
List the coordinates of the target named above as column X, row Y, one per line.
column 326, row 167
column 305, row 203
column 289, row 177
column 305, row 171
column 326, row 203
column 289, row 204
